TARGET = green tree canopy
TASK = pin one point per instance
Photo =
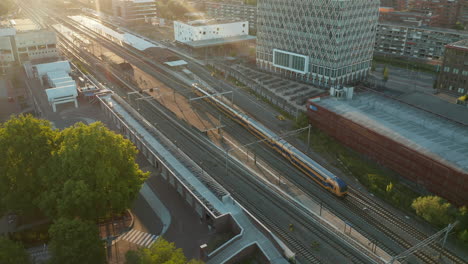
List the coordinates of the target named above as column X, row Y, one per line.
column 26, row 144
column 76, row 242
column 161, row 252
column 92, row 173
column 12, row 252
column 434, row 209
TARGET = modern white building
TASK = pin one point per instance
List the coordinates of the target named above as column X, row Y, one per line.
column 197, row 30
column 60, row 88
column 324, row 42
column 20, row 43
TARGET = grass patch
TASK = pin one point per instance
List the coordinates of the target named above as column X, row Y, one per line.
column 404, row 63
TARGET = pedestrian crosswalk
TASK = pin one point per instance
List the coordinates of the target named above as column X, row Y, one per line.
column 39, row 254
column 138, row 237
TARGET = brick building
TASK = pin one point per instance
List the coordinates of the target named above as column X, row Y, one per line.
column 448, row 10
column 411, row 18
column 453, row 77
column 398, row 5
column 427, row 149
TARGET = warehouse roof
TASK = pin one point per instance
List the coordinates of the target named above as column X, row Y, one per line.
column 427, row 133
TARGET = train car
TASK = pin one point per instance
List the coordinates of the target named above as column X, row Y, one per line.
column 309, row 167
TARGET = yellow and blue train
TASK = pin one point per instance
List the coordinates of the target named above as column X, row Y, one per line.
column 322, row 176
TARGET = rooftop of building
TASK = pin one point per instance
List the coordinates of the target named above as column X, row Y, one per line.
column 445, row 30
column 207, row 22
column 462, row 44
column 411, row 13
column 22, row 25
column 219, row 41
column 433, row 135
column 139, row 1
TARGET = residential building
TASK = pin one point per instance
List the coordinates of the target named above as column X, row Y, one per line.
column 228, row 10
column 415, row 42
column 453, row 77
column 399, row 5
column 447, row 10
column 410, row 18
column 320, row 42
column 463, row 13
column 131, row 12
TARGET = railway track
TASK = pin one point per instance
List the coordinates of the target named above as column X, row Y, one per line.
column 297, row 245
column 361, row 201
column 356, row 206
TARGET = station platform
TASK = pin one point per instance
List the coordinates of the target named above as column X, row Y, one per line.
column 214, row 198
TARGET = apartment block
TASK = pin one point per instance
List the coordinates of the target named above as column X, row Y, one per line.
column 229, row 10
column 132, row 12
column 415, row 42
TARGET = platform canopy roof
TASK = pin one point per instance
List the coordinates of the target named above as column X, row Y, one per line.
column 219, row 41
column 176, row 63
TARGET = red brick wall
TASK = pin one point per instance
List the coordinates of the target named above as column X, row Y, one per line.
column 436, row 177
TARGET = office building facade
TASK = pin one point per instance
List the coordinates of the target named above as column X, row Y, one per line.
column 321, row 42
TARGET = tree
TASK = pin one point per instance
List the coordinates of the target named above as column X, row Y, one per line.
column 76, row 241
column 92, row 174
column 26, row 144
column 434, row 209
column 12, row 252
column 385, row 74
column 458, row 26
column 462, row 218
column 161, row 252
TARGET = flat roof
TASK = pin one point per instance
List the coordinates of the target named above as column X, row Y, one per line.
column 462, row 44
column 205, row 22
column 438, row 106
column 438, row 29
column 218, row 41
column 24, row 25
column 434, row 136
column 125, row 37
column 176, row 63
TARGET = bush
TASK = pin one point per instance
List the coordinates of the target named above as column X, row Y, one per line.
column 434, row 210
